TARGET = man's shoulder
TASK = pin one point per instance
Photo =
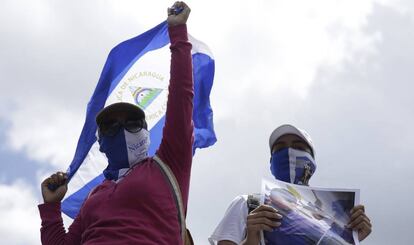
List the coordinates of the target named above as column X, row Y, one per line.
column 233, row 224
column 240, row 203
column 241, row 198
column 105, row 184
column 246, row 197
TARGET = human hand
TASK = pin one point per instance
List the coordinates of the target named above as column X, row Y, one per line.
column 178, row 17
column 58, row 180
column 360, row 222
column 263, row 217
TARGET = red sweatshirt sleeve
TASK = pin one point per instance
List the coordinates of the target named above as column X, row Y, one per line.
column 177, row 141
column 52, row 231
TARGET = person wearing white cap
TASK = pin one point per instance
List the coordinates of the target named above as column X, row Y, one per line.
column 243, row 225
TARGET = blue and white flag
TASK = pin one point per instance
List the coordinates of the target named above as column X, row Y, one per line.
column 138, row 71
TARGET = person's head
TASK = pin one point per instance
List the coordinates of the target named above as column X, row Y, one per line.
column 292, row 154
column 122, row 136
column 291, row 141
column 118, row 116
column 288, row 135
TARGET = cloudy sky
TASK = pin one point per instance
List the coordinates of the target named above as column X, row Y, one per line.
column 342, row 70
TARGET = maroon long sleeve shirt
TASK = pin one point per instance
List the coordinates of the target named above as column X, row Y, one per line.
column 140, row 209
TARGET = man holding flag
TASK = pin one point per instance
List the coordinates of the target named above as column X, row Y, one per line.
column 135, row 203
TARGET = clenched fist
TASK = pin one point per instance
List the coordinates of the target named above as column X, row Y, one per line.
column 54, row 188
column 178, row 14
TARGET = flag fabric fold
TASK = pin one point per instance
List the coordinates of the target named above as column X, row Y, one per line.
column 137, row 71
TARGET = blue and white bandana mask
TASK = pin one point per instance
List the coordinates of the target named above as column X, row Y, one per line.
column 293, row 166
column 123, row 150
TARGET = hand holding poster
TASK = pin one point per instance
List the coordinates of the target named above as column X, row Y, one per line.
column 310, row 215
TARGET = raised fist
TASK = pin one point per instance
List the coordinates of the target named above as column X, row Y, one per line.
column 55, row 187
column 178, row 14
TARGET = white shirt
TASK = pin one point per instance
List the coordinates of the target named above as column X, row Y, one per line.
column 233, row 225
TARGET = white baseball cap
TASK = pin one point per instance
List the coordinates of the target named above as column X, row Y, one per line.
column 290, row 129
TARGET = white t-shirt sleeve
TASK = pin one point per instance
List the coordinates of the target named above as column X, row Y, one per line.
column 233, row 225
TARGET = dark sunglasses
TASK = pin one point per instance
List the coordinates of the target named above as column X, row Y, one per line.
column 111, row 128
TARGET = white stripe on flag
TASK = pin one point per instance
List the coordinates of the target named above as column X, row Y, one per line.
column 93, row 165
column 199, row 47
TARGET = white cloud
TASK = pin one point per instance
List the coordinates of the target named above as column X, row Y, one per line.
column 44, row 131
column 318, row 64
column 20, row 222
column 274, row 45
column 270, row 47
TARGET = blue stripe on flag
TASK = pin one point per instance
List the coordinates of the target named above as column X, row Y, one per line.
column 156, row 136
column 72, row 204
column 203, row 73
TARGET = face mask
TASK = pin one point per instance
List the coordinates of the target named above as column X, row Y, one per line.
column 293, row 166
column 123, row 151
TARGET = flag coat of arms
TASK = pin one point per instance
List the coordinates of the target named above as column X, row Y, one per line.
column 137, row 72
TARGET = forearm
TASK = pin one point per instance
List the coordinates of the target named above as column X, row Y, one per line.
column 181, row 75
column 52, row 230
column 181, row 88
column 176, row 146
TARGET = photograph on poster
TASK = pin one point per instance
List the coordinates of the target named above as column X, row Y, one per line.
column 310, row 215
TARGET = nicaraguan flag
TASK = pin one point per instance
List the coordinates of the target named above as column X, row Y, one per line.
column 138, row 71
